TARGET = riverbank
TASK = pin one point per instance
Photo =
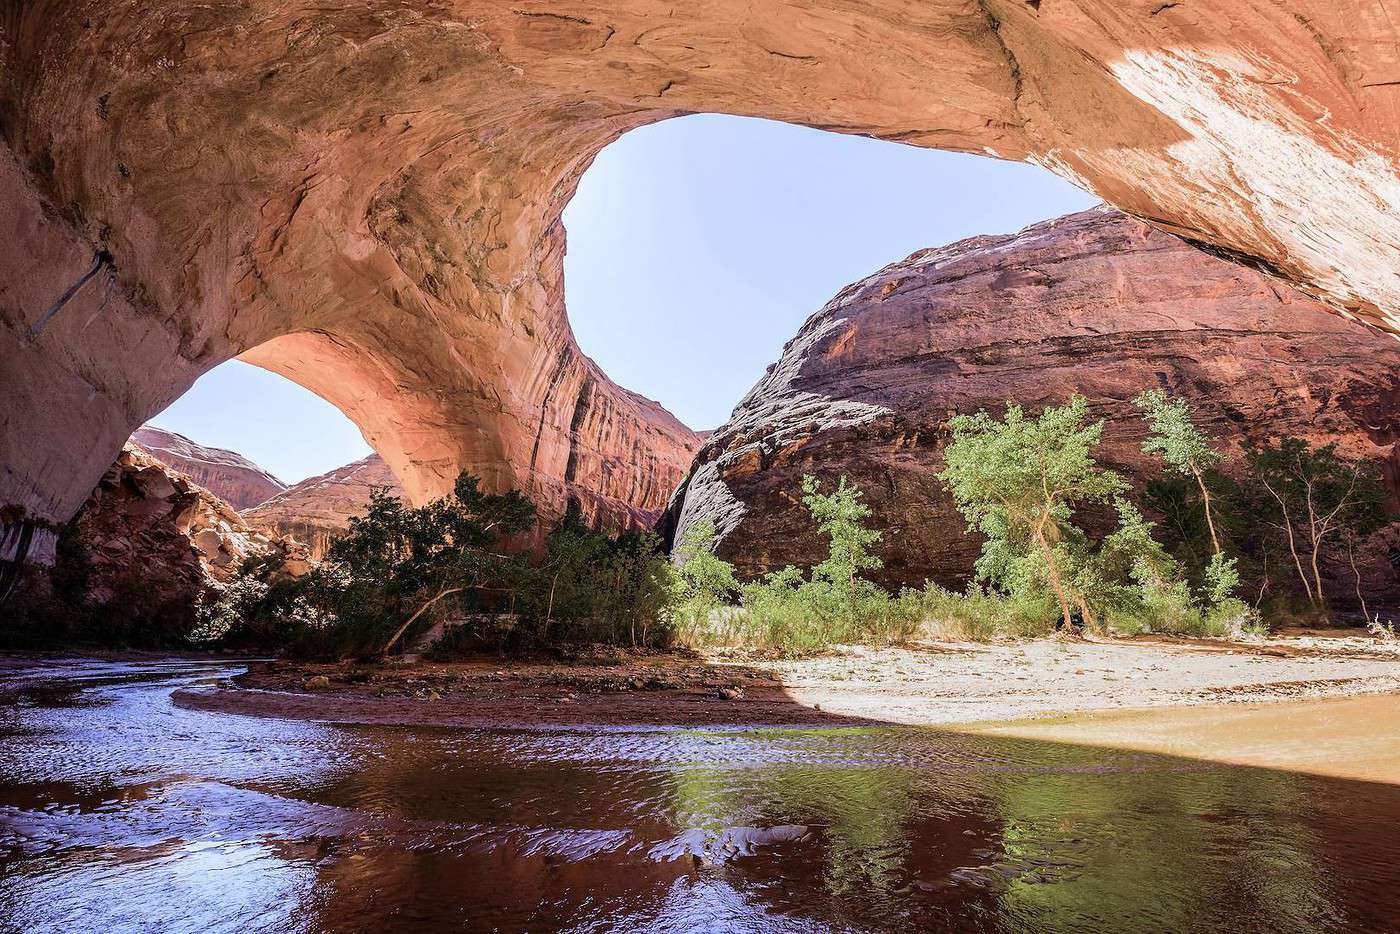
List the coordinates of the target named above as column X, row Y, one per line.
column 934, row 684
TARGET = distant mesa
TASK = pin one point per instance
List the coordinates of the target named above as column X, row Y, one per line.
column 227, row 474
column 317, row 508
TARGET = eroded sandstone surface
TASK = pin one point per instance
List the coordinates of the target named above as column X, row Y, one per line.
column 227, row 474
column 149, row 538
column 366, row 197
column 317, row 508
column 1095, row 303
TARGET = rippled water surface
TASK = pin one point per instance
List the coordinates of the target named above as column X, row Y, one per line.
column 120, row 811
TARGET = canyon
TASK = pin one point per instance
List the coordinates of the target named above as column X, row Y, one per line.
column 315, row 509
column 227, row 474
column 1095, row 303
column 366, row 198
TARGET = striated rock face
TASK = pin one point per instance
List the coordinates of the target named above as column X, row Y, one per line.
column 318, row 507
column 1095, row 303
column 228, row 475
column 149, row 535
column 366, row 197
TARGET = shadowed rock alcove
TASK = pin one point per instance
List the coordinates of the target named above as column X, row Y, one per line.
column 367, row 199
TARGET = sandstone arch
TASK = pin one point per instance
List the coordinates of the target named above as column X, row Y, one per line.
column 384, row 181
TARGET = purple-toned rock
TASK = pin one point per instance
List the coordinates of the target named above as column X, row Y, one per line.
column 1095, row 303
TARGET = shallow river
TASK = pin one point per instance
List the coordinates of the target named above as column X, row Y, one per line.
column 120, row 811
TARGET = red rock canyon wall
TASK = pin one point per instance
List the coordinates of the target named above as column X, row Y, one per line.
column 366, row 197
column 1095, row 303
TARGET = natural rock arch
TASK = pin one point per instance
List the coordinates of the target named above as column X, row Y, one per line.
column 367, row 199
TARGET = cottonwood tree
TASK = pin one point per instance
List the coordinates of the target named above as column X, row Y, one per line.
column 1187, row 452
column 1185, row 449
column 839, row 516
column 703, row 577
column 601, row 587
column 397, row 562
column 1316, row 499
column 1018, row 479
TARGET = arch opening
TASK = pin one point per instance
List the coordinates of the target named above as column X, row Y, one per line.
column 422, row 225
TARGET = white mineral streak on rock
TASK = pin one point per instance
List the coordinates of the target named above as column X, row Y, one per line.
column 1335, row 209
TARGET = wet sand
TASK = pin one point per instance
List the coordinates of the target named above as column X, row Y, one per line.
column 933, row 684
column 1351, row 737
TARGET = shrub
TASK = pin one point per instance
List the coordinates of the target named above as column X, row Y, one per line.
column 592, row 587
column 792, row 613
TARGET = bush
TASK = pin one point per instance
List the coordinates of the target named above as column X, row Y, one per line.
column 592, row 587
column 980, row 615
column 795, row 616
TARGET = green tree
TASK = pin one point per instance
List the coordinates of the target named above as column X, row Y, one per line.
column 1018, row 480
column 703, row 576
column 839, row 515
column 596, row 587
column 1316, row 499
column 398, row 563
column 423, row 555
column 1185, row 448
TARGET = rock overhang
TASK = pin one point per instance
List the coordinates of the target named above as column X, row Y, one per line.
column 367, row 199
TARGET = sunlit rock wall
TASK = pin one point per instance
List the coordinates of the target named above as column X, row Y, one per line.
column 1094, row 303
column 366, row 197
column 227, row 474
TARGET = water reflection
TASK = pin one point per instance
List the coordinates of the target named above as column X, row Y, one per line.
column 120, row 811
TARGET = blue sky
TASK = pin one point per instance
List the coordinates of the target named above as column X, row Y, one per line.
column 697, row 247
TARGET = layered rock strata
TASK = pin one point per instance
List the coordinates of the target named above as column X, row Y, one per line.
column 317, row 508
column 1094, row 303
column 150, row 536
column 227, row 474
column 366, row 197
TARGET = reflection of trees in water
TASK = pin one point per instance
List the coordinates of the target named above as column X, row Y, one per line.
column 881, row 835
column 1037, row 836
column 1207, row 849
column 944, row 831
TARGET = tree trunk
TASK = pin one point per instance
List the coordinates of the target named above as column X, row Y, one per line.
column 1210, row 520
column 1054, row 572
column 409, row 622
column 1356, row 572
column 1317, row 576
column 1293, row 545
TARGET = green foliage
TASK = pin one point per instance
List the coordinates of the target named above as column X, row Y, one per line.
column 1180, row 504
column 595, row 588
column 1185, row 449
column 792, row 615
column 839, row 515
column 1017, row 480
column 980, row 615
column 703, row 577
column 395, row 565
column 795, row 613
column 261, row 607
column 704, row 583
column 399, row 564
column 1315, row 501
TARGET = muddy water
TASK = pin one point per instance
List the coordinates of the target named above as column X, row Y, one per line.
column 120, row 811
